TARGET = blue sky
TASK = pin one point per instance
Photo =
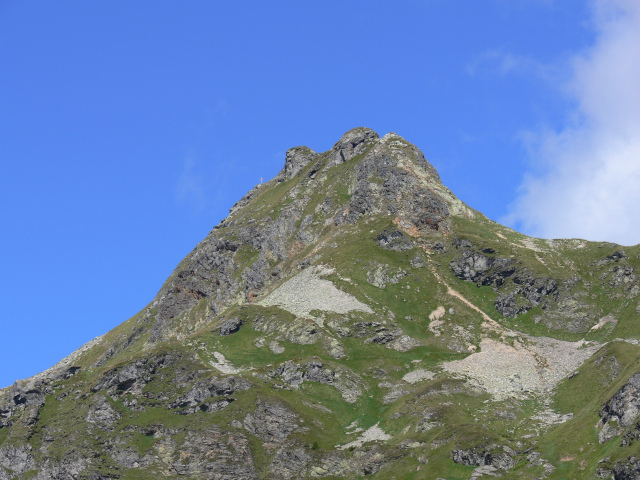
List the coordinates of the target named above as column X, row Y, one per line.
column 128, row 129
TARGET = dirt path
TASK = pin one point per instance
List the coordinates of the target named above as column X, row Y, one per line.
column 489, row 322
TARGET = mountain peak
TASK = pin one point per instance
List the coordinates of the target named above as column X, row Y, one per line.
column 352, row 143
column 352, row 289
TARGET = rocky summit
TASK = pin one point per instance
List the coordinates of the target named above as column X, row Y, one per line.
column 353, row 318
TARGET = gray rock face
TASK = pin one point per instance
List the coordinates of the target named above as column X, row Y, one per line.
column 571, row 311
column 624, row 278
column 607, row 433
column 368, row 462
column 625, row 403
column 130, row 459
column 471, row 457
column 390, row 179
column 255, row 277
column 614, row 257
column 206, row 273
column 332, row 464
column 271, row 422
column 533, row 289
column 244, row 201
column 32, row 391
column 418, row 262
column 272, row 236
column 229, row 326
column 361, row 203
column 301, row 331
column 345, row 382
column 289, row 463
column 295, row 160
column 383, row 336
column 194, row 400
column 630, row 436
column 401, row 193
column 629, row 470
column 396, row 392
column 133, row 376
column 216, row 456
column 481, row 456
column 381, row 275
column 16, row 459
column 506, row 305
column 533, row 457
column 427, row 211
column 486, row 470
column 393, row 239
column 102, row 414
column 476, row 266
column 27, row 396
column 351, row 144
column 212, row 454
column 519, row 290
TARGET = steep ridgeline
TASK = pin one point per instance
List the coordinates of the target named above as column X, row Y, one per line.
column 352, row 317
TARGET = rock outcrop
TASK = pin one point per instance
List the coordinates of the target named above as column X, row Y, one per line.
column 624, row 406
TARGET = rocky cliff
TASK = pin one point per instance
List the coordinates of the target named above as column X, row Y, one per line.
column 352, row 317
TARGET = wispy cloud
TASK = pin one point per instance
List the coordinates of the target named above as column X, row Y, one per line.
column 585, row 178
column 204, row 177
column 503, row 63
column 211, row 185
column 190, row 188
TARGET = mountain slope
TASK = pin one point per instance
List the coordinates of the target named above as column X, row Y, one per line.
column 352, row 317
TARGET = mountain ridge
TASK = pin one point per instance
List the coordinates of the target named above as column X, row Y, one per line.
column 351, row 317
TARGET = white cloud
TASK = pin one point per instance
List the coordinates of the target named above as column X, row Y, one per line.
column 586, row 178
